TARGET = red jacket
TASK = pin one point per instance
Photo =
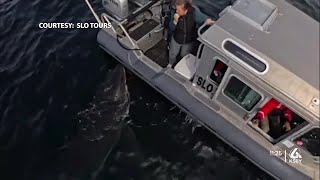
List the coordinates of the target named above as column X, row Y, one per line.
column 219, row 66
column 271, row 105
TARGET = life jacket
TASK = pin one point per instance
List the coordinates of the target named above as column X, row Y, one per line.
column 272, row 105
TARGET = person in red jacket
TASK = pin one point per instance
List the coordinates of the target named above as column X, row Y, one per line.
column 218, row 68
column 218, row 71
column 262, row 115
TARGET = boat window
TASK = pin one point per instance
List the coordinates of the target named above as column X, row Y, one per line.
column 276, row 120
column 244, row 56
column 242, row 94
column 218, row 71
column 310, row 141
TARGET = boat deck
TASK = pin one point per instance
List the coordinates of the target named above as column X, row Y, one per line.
column 159, row 53
column 144, row 29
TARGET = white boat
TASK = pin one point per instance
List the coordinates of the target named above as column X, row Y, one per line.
column 268, row 49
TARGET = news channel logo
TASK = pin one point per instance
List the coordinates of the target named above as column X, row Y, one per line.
column 294, row 155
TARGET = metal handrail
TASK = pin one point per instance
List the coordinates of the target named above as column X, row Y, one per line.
column 200, row 35
column 92, row 11
column 106, row 16
column 111, row 18
column 200, row 28
column 128, row 36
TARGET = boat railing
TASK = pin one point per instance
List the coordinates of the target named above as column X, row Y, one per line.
column 106, row 18
column 200, row 32
column 200, row 29
column 92, row 11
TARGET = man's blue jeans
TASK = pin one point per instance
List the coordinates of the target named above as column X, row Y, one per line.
column 176, row 48
column 171, row 25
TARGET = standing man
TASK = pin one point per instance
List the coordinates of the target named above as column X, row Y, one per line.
column 184, row 33
column 199, row 17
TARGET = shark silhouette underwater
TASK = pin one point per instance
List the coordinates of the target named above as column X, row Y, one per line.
column 101, row 129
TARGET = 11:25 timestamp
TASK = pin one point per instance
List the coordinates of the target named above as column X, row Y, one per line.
column 276, row 153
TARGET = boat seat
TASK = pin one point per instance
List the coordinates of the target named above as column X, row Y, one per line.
column 187, row 66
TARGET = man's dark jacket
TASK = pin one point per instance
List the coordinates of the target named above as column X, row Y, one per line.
column 185, row 31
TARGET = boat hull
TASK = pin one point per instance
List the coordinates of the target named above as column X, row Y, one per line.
column 174, row 89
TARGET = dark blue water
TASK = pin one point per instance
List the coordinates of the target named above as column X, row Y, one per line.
column 48, row 75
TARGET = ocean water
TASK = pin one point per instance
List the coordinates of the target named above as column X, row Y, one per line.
column 48, row 75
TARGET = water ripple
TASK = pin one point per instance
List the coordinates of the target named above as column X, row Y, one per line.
column 7, row 6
